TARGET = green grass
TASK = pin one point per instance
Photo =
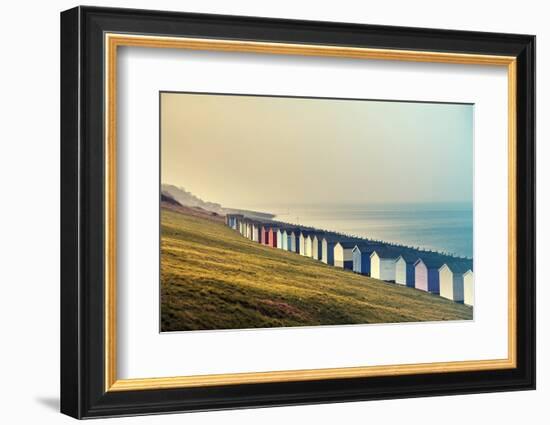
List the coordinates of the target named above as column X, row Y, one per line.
column 213, row 278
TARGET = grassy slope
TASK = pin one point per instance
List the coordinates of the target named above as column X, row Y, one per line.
column 213, row 278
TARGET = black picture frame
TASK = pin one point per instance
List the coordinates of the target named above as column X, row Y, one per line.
column 83, row 392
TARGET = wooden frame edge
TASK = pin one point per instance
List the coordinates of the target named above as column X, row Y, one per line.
column 306, row 375
column 512, row 212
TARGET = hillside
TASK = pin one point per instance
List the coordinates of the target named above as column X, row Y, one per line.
column 192, row 211
column 187, row 199
column 213, row 278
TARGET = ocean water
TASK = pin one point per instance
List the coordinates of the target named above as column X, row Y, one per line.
column 443, row 227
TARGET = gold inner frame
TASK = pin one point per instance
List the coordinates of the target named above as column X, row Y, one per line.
column 113, row 41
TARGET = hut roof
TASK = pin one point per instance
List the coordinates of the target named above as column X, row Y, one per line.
column 367, row 246
column 336, row 237
column 408, row 257
column 364, row 244
column 346, row 244
column 459, row 266
column 287, row 229
column 386, row 252
column 431, row 261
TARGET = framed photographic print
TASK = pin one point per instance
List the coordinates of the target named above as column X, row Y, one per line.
column 261, row 212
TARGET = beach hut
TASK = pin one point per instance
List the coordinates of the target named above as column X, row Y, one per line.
column 235, row 221
column 251, row 231
column 468, row 278
column 280, row 238
column 260, row 226
column 327, row 254
column 317, row 246
column 426, row 273
column 295, row 240
column 343, row 254
column 451, row 279
column 265, row 234
column 285, row 240
column 382, row 263
column 272, row 236
column 248, row 228
column 361, row 257
column 302, row 242
column 404, row 269
column 230, row 220
column 309, row 245
column 256, row 231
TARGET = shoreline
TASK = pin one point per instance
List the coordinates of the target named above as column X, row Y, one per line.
column 317, row 229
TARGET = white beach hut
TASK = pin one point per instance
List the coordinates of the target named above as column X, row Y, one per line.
column 382, row 264
column 231, row 220
column 317, row 246
column 280, row 238
column 308, row 248
column 256, row 231
column 468, row 278
column 426, row 272
column 284, row 239
column 302, row 242
column 295, row 240
column 404, row 269
column 451, row 279
column 361, row 257
column 249, row 230
column 343, row 253
column 328, row 242
column 234, row 220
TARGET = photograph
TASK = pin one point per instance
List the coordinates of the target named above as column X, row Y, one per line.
column 285, row 211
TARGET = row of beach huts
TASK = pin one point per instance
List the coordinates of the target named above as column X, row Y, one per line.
column 437, row 273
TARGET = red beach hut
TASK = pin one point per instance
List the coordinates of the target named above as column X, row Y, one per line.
column 272, row 237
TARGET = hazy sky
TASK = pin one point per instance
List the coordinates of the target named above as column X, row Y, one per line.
column 245, row 151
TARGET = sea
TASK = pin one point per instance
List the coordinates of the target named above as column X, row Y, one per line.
column 443, row 227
